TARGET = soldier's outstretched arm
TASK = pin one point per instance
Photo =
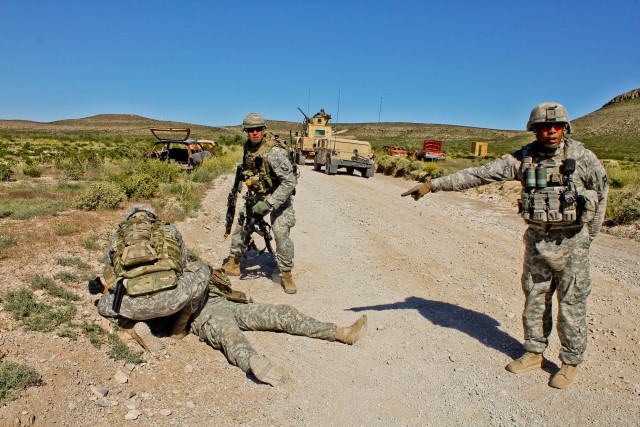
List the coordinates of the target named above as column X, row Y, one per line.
column 418, row 191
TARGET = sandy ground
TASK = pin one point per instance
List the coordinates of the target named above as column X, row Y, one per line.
column 439, row 282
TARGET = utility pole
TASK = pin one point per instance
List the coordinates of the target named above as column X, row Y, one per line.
column 380, row 110
column 338, row 112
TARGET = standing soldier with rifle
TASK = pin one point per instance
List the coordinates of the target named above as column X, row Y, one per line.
column 563, row 202
column 271, row 179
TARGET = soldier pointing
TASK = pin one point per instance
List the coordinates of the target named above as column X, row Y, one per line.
column 563, row 202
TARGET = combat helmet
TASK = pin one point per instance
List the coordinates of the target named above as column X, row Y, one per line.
column 140, row 210
column 549, row 112
column 253, row 120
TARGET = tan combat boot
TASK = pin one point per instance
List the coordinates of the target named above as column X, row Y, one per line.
column 140, row 332
column 287, row 282
column 232, row 266
column 266, row 372
column 564, row 377
column 527, row 362
column 179, row 329
column 351, row 334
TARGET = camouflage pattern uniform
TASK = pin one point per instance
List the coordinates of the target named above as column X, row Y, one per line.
column 282, row 214
column 556, row 257
column 188, row 294
column 221, row 322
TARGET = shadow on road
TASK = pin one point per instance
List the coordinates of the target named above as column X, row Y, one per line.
column 477, row 325
column 255, row 265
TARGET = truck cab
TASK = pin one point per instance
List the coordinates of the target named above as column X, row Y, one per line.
column 314, row 129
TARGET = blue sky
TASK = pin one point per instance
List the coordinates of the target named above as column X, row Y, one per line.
column 471, row 63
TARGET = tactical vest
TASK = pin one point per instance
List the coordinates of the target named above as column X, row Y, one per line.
column 147, row 255
column 548, row 193
column 257, row 169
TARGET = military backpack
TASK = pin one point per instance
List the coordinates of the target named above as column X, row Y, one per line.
column 147, row 255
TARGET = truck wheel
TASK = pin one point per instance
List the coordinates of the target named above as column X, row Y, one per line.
column 316, row 165
column 350, row 170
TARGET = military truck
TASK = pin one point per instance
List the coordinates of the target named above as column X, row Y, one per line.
column 351, row 154
column 313, row 130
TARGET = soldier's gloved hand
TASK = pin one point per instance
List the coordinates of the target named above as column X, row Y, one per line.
column 261, row 208
column 95, row 286
column 418, row 191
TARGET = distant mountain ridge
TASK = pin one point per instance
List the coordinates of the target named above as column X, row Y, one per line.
column 613, row 130
column 632, row 94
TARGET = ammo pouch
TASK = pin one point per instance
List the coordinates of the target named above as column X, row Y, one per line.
column 557, row 205
column 547, row 196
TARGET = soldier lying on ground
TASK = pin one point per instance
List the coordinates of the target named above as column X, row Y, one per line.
column 227, row 313
column 220, row 314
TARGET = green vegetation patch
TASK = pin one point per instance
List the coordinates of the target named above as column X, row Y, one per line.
column 29, row 208
column 93, row 332
column 120, row 351
column 137, row 186
column 102, row 195
column 14, row 378
column 7, row 241
column 37, row 316
column 91, row 243
column 72, row 262
column 67, row 277
column 38, row 282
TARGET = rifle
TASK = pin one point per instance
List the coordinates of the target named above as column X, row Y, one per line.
column 251, row 223
column 231, row 200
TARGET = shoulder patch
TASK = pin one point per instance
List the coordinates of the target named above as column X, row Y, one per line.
column 284, row 166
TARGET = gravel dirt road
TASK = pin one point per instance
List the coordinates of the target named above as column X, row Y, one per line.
column 439, row 282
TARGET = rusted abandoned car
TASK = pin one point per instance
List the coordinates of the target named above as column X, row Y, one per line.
column 173, row 144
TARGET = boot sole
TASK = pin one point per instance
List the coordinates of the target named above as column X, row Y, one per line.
column 147, row 339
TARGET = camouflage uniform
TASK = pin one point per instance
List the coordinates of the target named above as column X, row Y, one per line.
column 221, row 322
column 282, row 215
column 188, row 294
column 556, row 257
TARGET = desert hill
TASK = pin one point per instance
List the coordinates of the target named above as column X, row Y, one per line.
column 613, row 131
